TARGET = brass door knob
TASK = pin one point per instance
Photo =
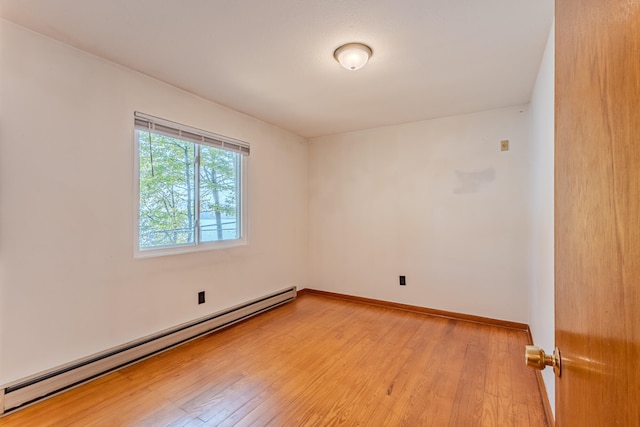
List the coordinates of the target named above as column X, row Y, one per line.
column 535, row 357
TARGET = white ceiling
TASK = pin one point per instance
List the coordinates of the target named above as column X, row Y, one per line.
column 273, row 59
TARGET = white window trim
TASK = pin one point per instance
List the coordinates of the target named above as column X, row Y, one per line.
column 189, row 247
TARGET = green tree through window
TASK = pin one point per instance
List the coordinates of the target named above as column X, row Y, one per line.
column 188, row 192
column 218, row 190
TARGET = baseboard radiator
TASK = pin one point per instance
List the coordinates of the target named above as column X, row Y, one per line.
column 33, row 389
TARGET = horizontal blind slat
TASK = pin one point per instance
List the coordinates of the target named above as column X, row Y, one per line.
column 176, row 130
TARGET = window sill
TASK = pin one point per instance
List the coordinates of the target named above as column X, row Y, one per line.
column 184, row 249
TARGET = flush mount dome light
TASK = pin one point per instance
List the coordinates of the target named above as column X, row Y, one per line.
column 353, row 56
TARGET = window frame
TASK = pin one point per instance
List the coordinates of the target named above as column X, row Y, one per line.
column 241, row 192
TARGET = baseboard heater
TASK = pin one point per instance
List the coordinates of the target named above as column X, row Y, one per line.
column 33, row 389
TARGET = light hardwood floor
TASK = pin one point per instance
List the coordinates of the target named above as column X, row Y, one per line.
column 316, row 361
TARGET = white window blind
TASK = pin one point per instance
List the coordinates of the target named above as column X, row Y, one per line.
column 187, row 133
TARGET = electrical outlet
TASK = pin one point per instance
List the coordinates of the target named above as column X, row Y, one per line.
column 201, row 297
column 504, row 145
column 403, row 281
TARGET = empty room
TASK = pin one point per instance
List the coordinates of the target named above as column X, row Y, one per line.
column 287, row 213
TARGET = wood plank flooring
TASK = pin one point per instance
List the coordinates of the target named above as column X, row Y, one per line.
column 317, row 361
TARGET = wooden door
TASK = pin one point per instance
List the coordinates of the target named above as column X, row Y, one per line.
column 597, row 212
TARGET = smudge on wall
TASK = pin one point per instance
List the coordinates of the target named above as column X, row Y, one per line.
column 472, row 182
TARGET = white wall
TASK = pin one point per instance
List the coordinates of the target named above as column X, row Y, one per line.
column 541, row 288
column 436, row 201
column 69, row 285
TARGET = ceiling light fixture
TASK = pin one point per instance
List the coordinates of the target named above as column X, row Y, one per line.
column 353, row 56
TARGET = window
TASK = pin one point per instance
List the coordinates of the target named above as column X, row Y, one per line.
column 190, row 188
